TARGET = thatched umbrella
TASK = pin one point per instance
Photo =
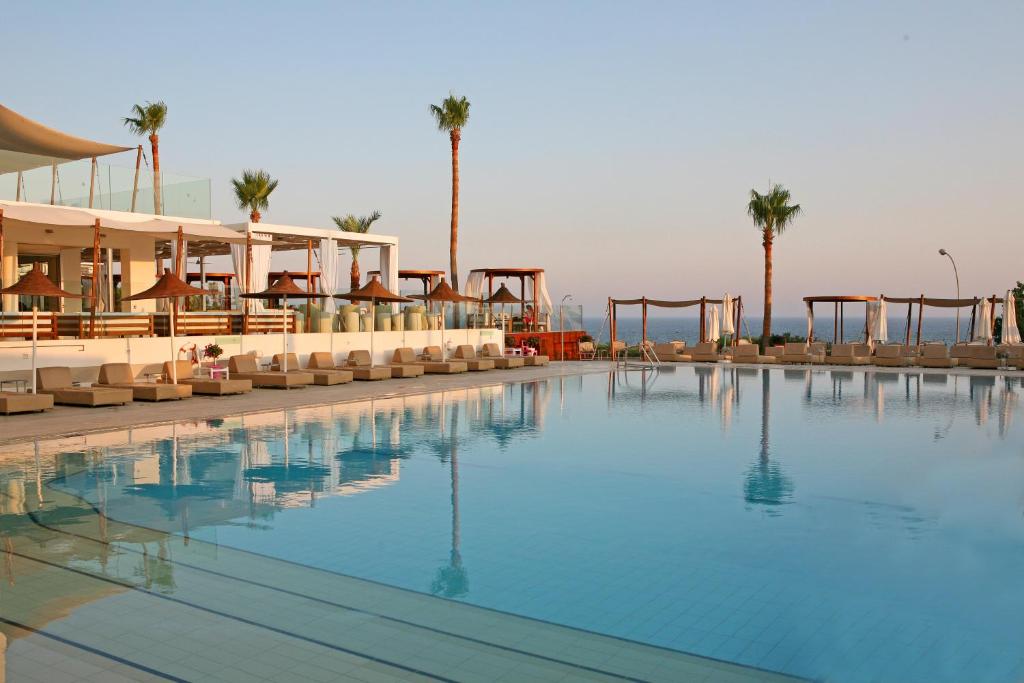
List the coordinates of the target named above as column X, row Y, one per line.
column 503, row 296
column 373, row 291
column 34, row 284
column 284, row 288
column 169, row 286
column 444, row 293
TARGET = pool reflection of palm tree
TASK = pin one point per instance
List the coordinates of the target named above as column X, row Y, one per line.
column 452, row 580
column 765, row 483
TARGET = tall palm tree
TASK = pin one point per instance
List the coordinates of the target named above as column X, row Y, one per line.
column 148, row 119
column 357, row 224
column 252, row 192
column 451, row 117
column 772, row 214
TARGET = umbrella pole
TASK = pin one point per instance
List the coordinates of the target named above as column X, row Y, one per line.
column 444, row 349
column 373, row 326
column 174, row 355
column 284, row 336
column 35, row 337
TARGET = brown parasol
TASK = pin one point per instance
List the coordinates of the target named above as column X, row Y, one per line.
column 34, row 283
column 503, row 296
column 373, row 291
column 169, row 286
column 284, row 288
column 444, row 293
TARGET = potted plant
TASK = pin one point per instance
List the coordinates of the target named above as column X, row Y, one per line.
column 534, row 344
column 213, row 352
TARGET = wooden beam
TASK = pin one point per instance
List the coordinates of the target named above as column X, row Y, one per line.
column 92, row 181
column 920, row 315
column 95, row 277
column 644, row 333
column 135, row 184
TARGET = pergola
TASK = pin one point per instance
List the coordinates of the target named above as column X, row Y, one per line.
column 839, row 321
column 538, row 297
column 703, row 302
column 922, row 301
column 428, row 278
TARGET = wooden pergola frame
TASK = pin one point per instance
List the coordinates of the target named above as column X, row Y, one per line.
column 703, row 302
column 839, row 320
column 522, row 274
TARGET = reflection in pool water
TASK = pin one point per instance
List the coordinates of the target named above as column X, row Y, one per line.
column 829, row 524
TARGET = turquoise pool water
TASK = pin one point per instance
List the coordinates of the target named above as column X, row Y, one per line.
column 844, row 526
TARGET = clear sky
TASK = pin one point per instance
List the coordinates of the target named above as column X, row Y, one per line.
column 612, row 143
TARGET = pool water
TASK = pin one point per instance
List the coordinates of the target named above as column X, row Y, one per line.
column 845, row 526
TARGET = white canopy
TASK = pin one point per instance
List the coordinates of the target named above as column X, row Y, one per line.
column 877, row 321
column 713, row 327
column 161, row 227
column 1011, row 334
column 728, row 313
column 25, row 144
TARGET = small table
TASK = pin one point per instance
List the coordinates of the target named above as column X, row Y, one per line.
column 19, row 384
column 152, row 377
column 221, row 372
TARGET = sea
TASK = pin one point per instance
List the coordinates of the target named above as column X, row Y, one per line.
column 938, row 329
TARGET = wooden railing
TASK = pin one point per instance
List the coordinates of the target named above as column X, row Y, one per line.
column 106, row 325
column 196, row 324
column 19, row 325
column 268, row 322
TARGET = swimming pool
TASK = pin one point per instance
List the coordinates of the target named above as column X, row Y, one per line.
column 833, row 525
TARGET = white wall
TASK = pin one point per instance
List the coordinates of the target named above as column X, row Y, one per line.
column 148, row 354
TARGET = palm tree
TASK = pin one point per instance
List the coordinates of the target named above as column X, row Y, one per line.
column 451, row 117
column 148, row 119
column 772, row 214
column 360, row 225
column 252, row 192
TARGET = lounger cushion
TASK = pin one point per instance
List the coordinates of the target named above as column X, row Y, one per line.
column 244, row 367
column 120, row 375
column 15, row 402
column 981, row 356
column 493, row 352
column 405, row 371
column 535, row 360
column 321, row 360
column 749, row 353
column 206, row 386
column 359, row 358
column 403, row 354
column 57, row 381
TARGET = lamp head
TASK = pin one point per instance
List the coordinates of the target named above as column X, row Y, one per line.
column 942, row 252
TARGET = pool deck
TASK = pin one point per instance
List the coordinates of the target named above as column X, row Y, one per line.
column 71, row 420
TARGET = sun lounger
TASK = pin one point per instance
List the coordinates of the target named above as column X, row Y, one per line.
column 467, row 354
column 57, row 382
column 322, row 376
column 15, row 402
column 120, row 375
column 244, row 367
column 705, row 353
column 493, row 353
column 206, row 386
column 672, row 352
column 891, row 356
column 535, row 360
column 936, row 356
column 850, row 354
column 750, row 353
column 775, row 352
column 363, row 370
column 794, row 353
column 406, row 356
column 981, row 356
column 1015, row 355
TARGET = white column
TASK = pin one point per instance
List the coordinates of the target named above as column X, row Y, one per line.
column 389, row 269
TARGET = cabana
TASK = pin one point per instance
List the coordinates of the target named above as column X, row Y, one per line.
column 703, row 302
column 922, row 301
column 428, row 278
column 538, row 297
column 839, row 320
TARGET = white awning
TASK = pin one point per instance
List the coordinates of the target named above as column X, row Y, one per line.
column 25, row 144
column 160, row 227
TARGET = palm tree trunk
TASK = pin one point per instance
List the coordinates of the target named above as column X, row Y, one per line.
column 766, row 331
column 158, row 204
column 353, row 274
column 456, row 136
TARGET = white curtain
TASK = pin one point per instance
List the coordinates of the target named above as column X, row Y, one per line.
column 810, row 322
column 474, row 288
column 330, row 259
column 1011, row 334
column 877, row 323
column 260, row 268
column 983, row 323
column 713, row 326
column 728, row 313
column 545, row 298
column 184, row 260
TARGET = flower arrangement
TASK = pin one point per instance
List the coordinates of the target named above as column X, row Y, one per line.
column 213, row 351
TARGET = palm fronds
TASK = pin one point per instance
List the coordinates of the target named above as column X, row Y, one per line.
column 252, row 191
column 147, row 119
column 453, row 114
column 357, row 224
column 771, row 212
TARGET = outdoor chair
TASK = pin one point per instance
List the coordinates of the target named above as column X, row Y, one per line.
column 362, row 368
column 321, row 376
column 57, row 382
column 120, row 375
column 936, row 356
column 492, row 352
column 406, row 356
column 206, row 386
column 244, row 367
column 16, row 402
column 467, row 354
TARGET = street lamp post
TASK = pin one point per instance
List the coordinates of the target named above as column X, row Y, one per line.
column 561, row 325
column 943, row 252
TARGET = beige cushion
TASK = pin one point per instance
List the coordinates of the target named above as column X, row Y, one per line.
column 48, row 379
column 16, row 402
column 465, row 352
column 960, row 350
column 359, row 358
column 410, row 370
column 795, row 349
column 745, row 351
column 889, row 350
column 293, row 361
column 321, row 360
column 983, row 351
column 244, row 363
column 433, row 353
column 934, row 351
column 492, row 350
column 116, row 373
column 403, row 354
column 842, row 351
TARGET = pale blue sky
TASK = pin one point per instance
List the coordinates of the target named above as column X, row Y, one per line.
column 612, row 143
